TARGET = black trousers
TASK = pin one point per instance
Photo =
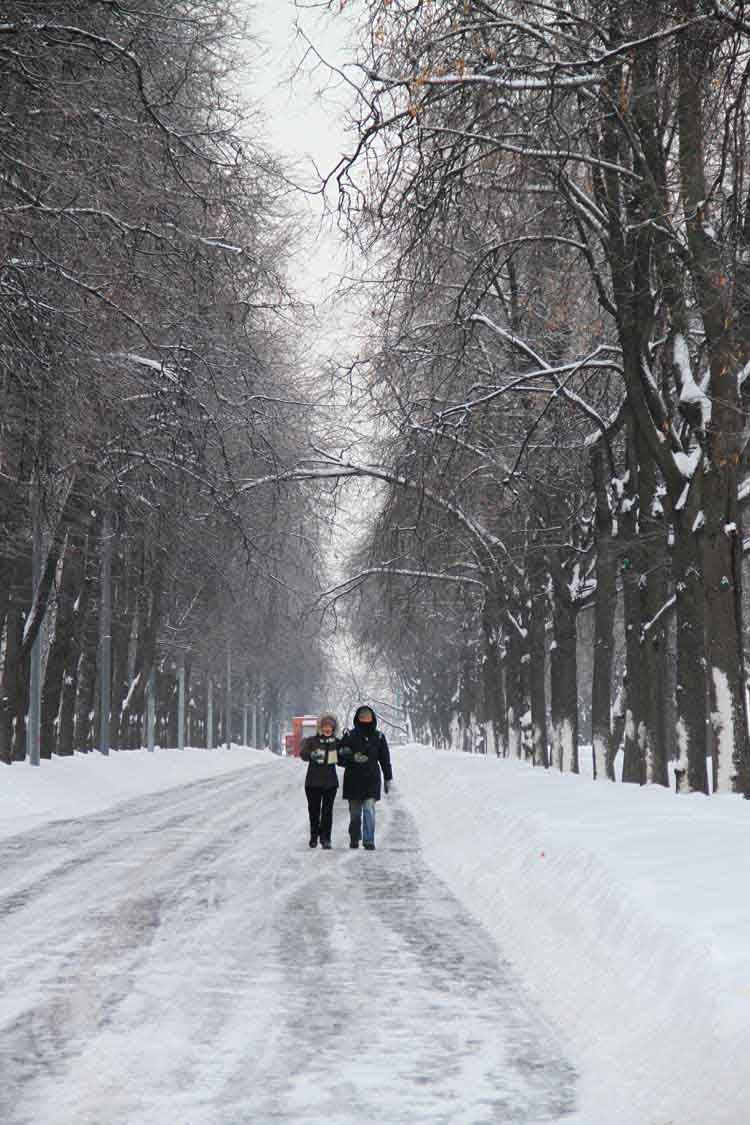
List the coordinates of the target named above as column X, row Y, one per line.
column 320, row 807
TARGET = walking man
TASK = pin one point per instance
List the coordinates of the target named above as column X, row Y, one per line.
column 364, row 754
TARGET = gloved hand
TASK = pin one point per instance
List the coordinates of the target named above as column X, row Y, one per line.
column 387, row 787
column 360, row 758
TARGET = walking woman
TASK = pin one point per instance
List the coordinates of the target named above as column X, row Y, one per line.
column 321, row 780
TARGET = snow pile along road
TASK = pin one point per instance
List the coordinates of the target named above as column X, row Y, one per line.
column 64, row 788
column 626, row 912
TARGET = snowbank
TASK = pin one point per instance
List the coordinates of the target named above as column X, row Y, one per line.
column 625, row 909
column 88, row 783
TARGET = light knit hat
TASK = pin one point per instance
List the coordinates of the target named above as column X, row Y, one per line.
column 327, row 717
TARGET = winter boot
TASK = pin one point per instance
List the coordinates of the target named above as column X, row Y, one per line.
column 369, row 847
column 325, row 844
column 313, row 841
column 353, row 842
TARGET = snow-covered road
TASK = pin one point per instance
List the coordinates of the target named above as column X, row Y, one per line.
column 185, row 959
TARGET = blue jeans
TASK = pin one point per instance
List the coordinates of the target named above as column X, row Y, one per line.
column 362, row 820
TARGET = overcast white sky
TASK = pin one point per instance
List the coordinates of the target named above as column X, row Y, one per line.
column 304, row 108
column 305, row 117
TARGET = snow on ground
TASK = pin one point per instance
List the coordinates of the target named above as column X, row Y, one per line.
column 185, row 958
column 626, row 912
column 598, row 932
column 62, row 788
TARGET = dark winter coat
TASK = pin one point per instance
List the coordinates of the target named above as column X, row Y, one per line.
column 320, row 775
column 362, row 779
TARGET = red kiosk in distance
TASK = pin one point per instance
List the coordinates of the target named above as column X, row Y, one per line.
column 303, row 726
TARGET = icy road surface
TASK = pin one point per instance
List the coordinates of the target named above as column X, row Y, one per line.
column 186, row 959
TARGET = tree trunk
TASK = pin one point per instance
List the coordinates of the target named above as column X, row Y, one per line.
column 22, row 706
column 11, row 684
column 66, row 731
column 564, row 687
column 654, row 593
column 132, row 708
column 85, row 708
column 537, row 667
column 494, row 691
column 69, row 591
column 514, row 690
column 72, row 515
column 605, row 605
column 124, row 586
column 723, row 599
column 632, row 766
column 167, row 689
column 468, row 698
column 690, row 773
column 727, row 355
column 6, row 572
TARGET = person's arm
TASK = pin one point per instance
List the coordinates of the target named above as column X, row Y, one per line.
column 305, row 749
column 345, row 748
column 384, row 757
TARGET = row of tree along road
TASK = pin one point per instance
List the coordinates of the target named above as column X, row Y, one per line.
column 556, row 196
column 144, row 371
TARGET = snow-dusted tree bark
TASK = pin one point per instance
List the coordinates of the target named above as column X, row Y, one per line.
column 68, row 592
column 515, row 650
column 537, row 654
column 633, row 769
column 494, row 704
column 82, row 612
column 652, row 582
column 605, row 604
column 690, row 767
column 721, row 539
column 12, row 696
column 564, row 685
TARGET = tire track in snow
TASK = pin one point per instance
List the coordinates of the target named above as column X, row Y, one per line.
column 143, row 860
column 395, row 1005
